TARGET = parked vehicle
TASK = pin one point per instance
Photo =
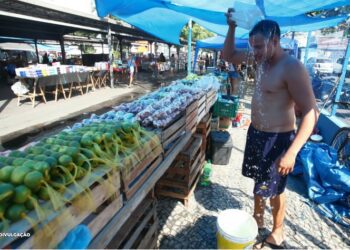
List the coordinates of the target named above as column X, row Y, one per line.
column 316, row 66
column 325, row 91
column 338, row 66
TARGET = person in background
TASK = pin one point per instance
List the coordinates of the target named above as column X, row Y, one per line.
column 154, row 67
column 19, row 61
column 222, row 65
column 162, row 58
column 233, row 80
column 211, row 62
column 131, row 66
column 172, row 64
column 272, row 144
column 59, row 57
column 137, row 63
column 45, row 59
column 206, row 62
column 200, row 64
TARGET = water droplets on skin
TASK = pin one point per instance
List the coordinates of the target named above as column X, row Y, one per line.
column 259, row 73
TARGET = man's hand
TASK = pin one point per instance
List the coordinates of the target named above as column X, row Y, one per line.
column 229, row 20
column 285, row 164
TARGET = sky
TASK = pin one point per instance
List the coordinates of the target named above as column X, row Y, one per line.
column 86, row 6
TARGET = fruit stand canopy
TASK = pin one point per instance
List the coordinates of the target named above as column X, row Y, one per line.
column 166, row 18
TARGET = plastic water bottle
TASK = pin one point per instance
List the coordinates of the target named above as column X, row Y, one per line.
column 205, row 179
column 246, row 15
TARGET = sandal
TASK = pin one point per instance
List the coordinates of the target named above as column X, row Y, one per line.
column 263, row 232
column 283, row 245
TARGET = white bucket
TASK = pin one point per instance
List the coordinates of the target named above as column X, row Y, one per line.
column 236, row 230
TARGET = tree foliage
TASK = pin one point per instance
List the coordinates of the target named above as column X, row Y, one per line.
column 87, row 48
column 344, row 10
column 85, row 34
column 198, row 32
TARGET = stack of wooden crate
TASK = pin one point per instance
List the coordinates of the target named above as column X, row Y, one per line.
column 181, row 178
column 192, row 117
column 140, row 231
column 203, row 129
column 135, row 172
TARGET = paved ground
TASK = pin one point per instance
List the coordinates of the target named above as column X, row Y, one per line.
column 20, row 124
column 195, row 226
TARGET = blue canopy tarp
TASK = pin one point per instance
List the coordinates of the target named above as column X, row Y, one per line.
column 217, row 43
column 165, row 19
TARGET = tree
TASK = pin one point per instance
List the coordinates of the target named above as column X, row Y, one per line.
column 85, row 34
column 198, row 32
column 87, row 48
column 344, row 10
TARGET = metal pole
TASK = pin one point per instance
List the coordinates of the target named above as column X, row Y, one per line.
column 81, row 50
column 307, row 47
column 195, row 59
column 63, row 50
column 36, row 49
column 215, row 59
column 341, row 79
column 121, row 48
column 189, row 43
column 110, row 56
column 178, row 57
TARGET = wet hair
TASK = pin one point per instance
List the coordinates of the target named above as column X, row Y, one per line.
column 267, row 28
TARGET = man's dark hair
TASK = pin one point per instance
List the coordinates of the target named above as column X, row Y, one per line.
column 267, row 28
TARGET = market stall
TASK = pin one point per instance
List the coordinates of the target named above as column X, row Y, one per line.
column 63, row 79
column 100, row 173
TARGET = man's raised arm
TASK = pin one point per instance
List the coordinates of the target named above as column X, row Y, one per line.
column 230, row 54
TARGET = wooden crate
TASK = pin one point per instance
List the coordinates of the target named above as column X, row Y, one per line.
column 201, row 108
column 140, row 231
column 203, row 129
column 105, row 201
column 210, row 100
column 132, row 178
column 191, row 117
column 181, row 178
column 170, row 134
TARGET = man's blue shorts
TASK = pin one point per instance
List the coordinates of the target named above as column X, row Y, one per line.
column 261, row 152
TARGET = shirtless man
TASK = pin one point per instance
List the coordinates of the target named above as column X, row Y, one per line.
column 272, row 145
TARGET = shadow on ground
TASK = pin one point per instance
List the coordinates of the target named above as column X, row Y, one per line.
column 200, row 235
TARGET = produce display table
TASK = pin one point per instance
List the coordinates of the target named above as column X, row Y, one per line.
column 62, row 83
column 97, row 173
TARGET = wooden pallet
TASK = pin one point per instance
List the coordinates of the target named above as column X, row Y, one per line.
column 201, row 108
column 180, row 179
column 132, row 178
column 191, row 117
column 103, row 202
column 172, row 132
column 140, row 231
column 203, row 129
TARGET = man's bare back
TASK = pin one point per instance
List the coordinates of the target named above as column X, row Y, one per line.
column 272, row 105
